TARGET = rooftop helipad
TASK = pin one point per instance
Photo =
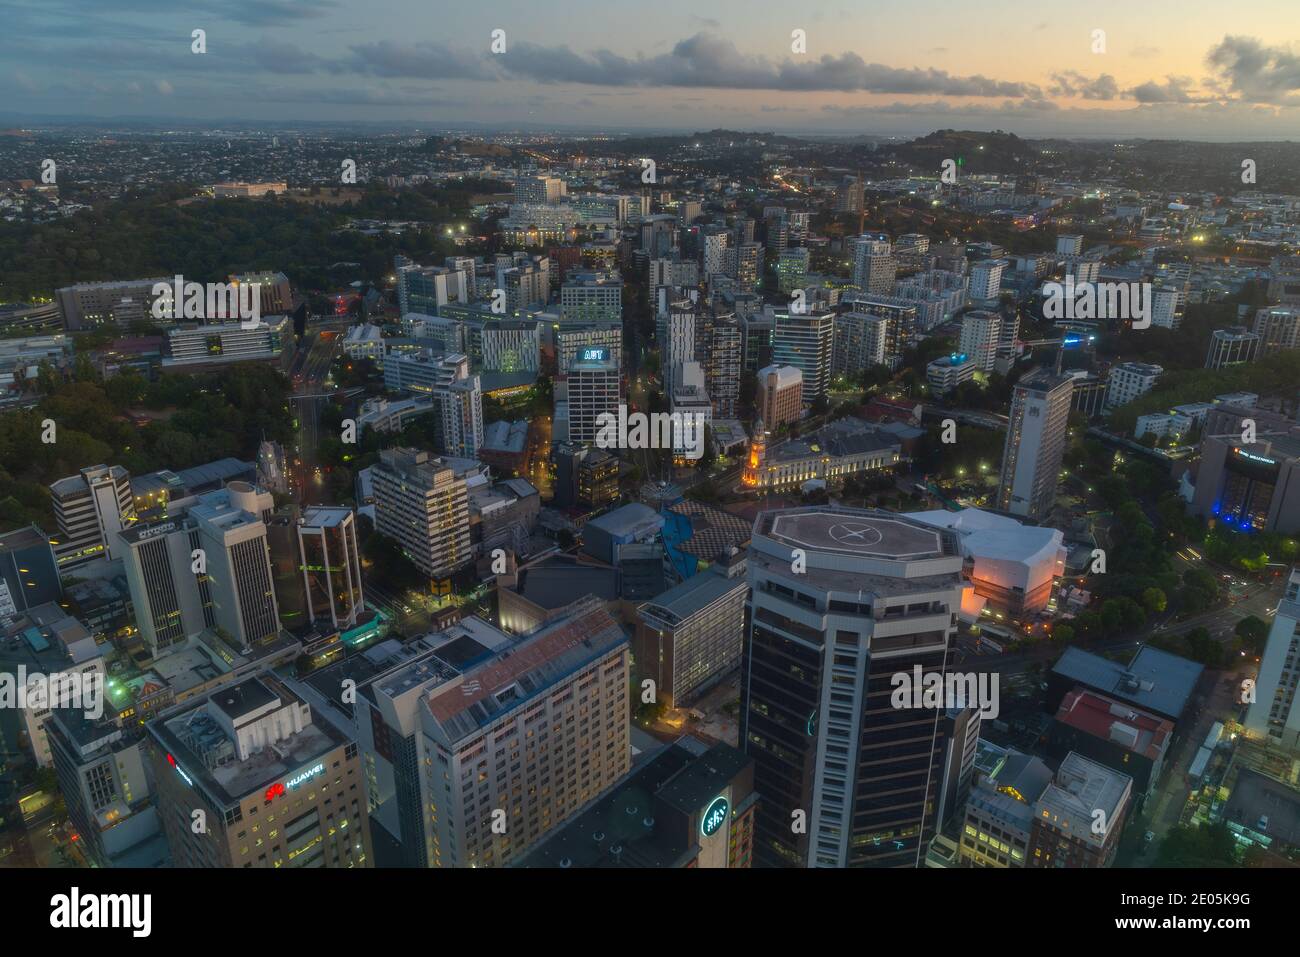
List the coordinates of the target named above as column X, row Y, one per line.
column 858, row 533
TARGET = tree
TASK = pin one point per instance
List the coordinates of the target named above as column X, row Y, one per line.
column 1201, row 847
column 1253, row 633
column 1063, row 634
column 1154, row 600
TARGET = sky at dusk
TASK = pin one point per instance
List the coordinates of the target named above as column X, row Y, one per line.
column 1170, row 68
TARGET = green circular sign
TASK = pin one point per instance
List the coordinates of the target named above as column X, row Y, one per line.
column 715, row 815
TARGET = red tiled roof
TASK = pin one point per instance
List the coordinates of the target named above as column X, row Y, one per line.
column 1096, row 714
column 447, row 701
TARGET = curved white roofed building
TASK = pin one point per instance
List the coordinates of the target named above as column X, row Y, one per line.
column 1014, row 566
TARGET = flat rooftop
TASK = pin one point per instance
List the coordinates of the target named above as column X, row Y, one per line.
column 1154, row 680
column 230, row 783
column 861, row 534
column 558, row 581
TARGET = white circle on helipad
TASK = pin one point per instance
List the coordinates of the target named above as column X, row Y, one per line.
column 854, row 533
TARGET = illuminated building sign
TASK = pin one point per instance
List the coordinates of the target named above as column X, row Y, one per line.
column 715, row 815
column 595, row 355
column 279, row 787
column 307, row 775
column 1255, row 458
column 186, row 777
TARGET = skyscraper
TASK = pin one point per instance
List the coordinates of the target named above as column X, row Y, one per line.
column 841, row 601
column 1278, row 329
column 593, row 390
column 986, row 281
column 874, row 270
column 981, row 333
column 1273, row 715
column 275, row 788
column 331, row 566
column 232, row 534
column 422, row 504
column 1035, row 446
column 172, row 601
column 89, row 508
column 805, row 340
column 482, row 746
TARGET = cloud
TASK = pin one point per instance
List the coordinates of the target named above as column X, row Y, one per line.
column 708, row 61
column 424, row 60
column 1175, row 89
column 1258, row 73
column 1074, row 84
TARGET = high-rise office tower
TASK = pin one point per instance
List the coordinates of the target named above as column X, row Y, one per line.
column 1273, row 716
column 680, row 341
column 980, row 334
column 713, row 251
column 842, row 601
column 986, row 281
column 481, row 746
column 756, row 339
column 777, row 229
column 749, row 267
column 593, row 390
column 89, row 509
column 862, row 341
column 593, row 296
column 792, row 269
column 778, row 397
column 1035, row 446
column 805, row 341
column 275, row 788
column 424, row 288
column 460, row 408
column 172, row 600
column 576, row 338
column 542, row 190
column 906, row 326
column 1278, row 328
column 457, row 395
column 721, row 339
column 331, row 565
column 1235, row 345
column 874, row 270
column 422, row 504
column 231, row 527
